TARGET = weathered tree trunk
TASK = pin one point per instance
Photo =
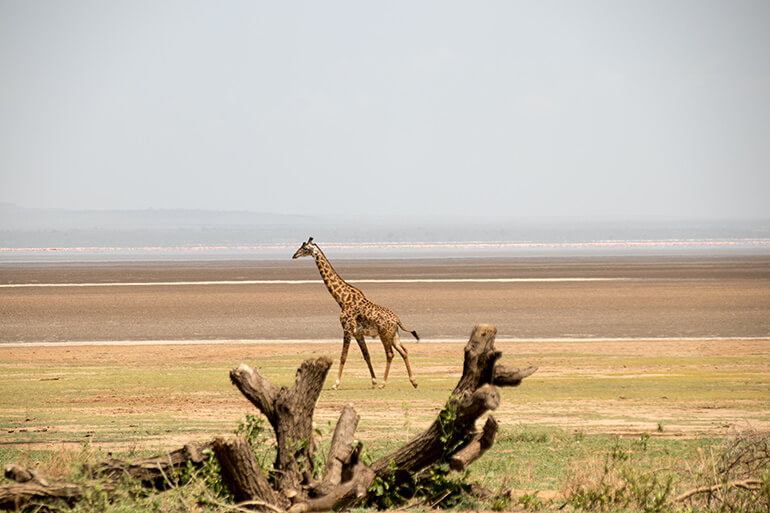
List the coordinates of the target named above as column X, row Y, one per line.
column 451, row 438
column 154, row 471
column 31, row 487
column 475, row 447
column 290, row 413
column 452, row 435
column 16, row 496
column 242, row 474
column 341, row 495
column 343, row 452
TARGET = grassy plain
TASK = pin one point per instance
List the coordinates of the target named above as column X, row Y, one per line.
column 664, row 403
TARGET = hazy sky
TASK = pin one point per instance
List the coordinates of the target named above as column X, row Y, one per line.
column 616, row 108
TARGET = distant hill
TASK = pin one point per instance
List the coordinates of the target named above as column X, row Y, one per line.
column 36, row 227
column 40, row 228
column 13, row 217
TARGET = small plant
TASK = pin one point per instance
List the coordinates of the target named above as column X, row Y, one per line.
column 437, row 487
column 646, row 490
column 210, row 475
column 383, row 492
column 443, row 490
column 733, row 478
column 619, row 483
column 407, row 418
column 618, row 453
column 500, row 502
column 531, row 502
column 319, row 461
column 644, row 438
column 446, row 419
column 252, row 429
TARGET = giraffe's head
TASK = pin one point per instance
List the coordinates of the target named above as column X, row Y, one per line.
column 306, row 249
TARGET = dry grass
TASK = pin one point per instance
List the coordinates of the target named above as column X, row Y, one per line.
column 733, row 476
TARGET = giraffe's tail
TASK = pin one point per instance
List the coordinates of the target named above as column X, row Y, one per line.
column 413, row 332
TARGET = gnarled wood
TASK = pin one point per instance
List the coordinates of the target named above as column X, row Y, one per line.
column 290, row 413
column 15, row 496
column 341, row 495
column 476, row 447
column 342, row 446
column 256, row 389
column 31, row 487
column 242, row 474
column 473, row 396
column 480, row 358
column 452, row 437
column 21, row 474
column 154, row 471
column 504, row 376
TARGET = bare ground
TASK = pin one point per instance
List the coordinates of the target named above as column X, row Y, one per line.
column 398, row 412
column 692, row 323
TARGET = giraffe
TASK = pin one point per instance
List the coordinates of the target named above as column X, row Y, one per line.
column 360, row 317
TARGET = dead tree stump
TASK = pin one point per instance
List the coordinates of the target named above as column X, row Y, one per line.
column 290, row 412
column 452, row 438
column 343, row 452
column 452, row 435
column 242, row 474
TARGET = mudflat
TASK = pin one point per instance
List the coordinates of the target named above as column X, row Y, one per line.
column 676, row 346
column 526, row 298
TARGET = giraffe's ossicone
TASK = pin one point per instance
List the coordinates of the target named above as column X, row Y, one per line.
column 360, row 317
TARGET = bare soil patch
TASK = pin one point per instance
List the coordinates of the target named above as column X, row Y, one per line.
column 398, row 412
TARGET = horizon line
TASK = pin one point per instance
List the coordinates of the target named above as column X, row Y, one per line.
column 443, row 340
column 418, row 245
column 524, row 218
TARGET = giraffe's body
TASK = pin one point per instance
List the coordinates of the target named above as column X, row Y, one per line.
column 360, row 317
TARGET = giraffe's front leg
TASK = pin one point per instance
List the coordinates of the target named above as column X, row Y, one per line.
column 344, row 356
column 365, row 352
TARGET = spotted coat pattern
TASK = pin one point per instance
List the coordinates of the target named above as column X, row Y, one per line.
column 360, row 317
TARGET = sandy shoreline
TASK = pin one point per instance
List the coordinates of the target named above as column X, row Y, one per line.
column 302, row 342
column 641, row 297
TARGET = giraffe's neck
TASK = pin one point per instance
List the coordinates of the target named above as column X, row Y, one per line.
column 340, row 290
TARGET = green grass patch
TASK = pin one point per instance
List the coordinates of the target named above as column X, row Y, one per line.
column 95, row 407
column 542, row 457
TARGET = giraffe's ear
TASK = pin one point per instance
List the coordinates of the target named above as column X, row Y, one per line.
column 310, row 240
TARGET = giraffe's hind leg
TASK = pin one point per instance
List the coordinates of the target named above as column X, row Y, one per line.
column 387, row 336
column 389, row 356
column 405, row 355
